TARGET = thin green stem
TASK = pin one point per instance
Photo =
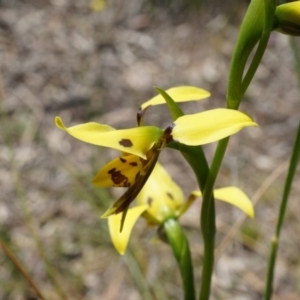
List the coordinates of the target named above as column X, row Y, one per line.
column 208, row 232
column 181, row 251
column 255, row 62
column 270, row 269
column 275, row 240
column 208, row 221
column 289, row 180
column 296, row 56
column 197, row 160
column 285, row 197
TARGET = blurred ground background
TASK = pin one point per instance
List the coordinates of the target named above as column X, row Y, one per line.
column 58, row 57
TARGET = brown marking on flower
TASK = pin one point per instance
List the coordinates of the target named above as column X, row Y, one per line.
column 118, row 178
column 168, row 134
column 126, row 143
column 139, row 116
column 170, row 196
column 123, row 160
column 134, row 164
column 149, row 201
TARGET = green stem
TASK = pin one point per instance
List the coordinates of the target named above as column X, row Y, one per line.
column 296, row 55
column 270, row 270
column 284, row 201
column 181, row 251
column 236, row 90
column 196, row 158
column 286, row 192
column 208, row 220
column 255, row 62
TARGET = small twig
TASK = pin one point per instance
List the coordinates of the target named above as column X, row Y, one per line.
column 21, row 269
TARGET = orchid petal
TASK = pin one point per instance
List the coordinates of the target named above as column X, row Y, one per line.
column 162, row 194
column 209, row 126
column 120, row 239
column 234, row 196
column 179, row 94
column 137, row 141
column 124, row 201
column 120, row 172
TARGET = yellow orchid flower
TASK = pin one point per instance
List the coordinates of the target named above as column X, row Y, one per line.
column 142, row 145
column 161, row 199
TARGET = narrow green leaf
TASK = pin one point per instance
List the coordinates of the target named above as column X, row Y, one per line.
column 174, row 109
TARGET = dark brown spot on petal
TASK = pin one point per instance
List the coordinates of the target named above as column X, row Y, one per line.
column 118, row 178
column 126, row 143
column 170, row 196
column 134, row 164
column 149, row 201
column 111, row 171
column 123, row 160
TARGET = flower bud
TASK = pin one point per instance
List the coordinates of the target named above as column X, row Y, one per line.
column 287, row 18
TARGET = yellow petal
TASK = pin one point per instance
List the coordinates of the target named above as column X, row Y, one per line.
column 120, row 172
column 120, row 239
column 137, row 141
column 124, row 201
column 162, row 194
column 209, row 126
column 234, row 196
column 179, row 94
